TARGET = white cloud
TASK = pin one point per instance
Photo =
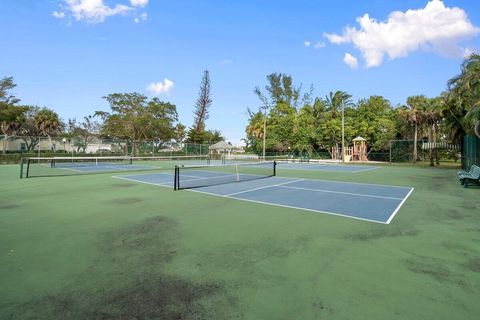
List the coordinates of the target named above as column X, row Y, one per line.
column 140, row 18
column 226, row 61
column 139, row 3
column 59, row 15
column 319, row 45
column 350, row 60
column 96, row 11
column 435, row 27
column 307, row 43
column 158, row 88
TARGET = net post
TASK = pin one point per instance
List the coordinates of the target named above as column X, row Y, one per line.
column 176, row 178
column 274, row 168
column 28, row 167
column 21, row 167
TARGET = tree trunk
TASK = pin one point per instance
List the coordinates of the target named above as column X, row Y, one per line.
column 4, row 129
column 430, row 149
column 4, row 144
column 415, row 143
column 437, row 160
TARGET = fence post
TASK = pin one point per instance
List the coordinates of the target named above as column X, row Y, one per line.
column 390, row 152
column 21, row 167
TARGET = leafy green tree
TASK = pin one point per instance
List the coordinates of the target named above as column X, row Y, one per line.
column 6, row 98
column 280, row 126
column 11, row 115
column 30, row 133
column 372, row 121
column 83, row 132
column 134, row 117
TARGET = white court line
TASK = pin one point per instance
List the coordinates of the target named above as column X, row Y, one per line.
column 399, row 206
column 340, row 192
column 76, row 170
column 286, row 206
column 264, row 187
column 348, row 182
column 144, row 182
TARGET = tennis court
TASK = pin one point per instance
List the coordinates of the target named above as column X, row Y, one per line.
column 64, row 166
column 369, row 202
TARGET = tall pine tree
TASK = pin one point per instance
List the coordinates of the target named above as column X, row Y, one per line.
column 204, row 101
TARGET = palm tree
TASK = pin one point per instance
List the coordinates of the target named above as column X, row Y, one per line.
column 255, row 127
column 473, row 116
column 413, row 115
column 431, row 115
column 337, row 100
column 465, row 92
column 48, row 122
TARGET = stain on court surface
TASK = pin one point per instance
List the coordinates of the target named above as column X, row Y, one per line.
column 136, row 287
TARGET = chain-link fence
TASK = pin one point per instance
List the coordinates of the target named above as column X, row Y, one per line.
column 12, row 148
column 398, row 151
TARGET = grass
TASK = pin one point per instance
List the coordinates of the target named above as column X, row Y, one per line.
column 93, row 247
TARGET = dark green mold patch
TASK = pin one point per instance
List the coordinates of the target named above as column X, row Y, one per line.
column 125, row 201
column 160, row 297
column 428, row 267
column 472, row 265
column 382, row 232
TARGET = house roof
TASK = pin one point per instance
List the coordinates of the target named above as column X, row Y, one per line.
column 359, row 139
column 222, row 145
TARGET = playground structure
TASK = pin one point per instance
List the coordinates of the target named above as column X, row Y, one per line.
column 358, row 152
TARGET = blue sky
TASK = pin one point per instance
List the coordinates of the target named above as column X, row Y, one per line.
column 69, row 59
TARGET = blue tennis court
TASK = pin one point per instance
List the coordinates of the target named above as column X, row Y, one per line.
column 369, row 202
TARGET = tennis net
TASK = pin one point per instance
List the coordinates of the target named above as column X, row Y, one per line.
column 189, row 177
column 66, row 166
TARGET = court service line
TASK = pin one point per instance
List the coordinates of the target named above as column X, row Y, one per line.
column 340, row 192
column 287, row 206
column 144, row 182
column 264, row 187
column 399, row 206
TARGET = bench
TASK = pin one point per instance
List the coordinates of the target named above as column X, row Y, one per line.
column 472, row 176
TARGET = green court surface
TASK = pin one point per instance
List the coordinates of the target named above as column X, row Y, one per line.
column 94, row 247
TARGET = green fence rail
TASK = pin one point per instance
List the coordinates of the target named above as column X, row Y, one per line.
column 470, row 152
